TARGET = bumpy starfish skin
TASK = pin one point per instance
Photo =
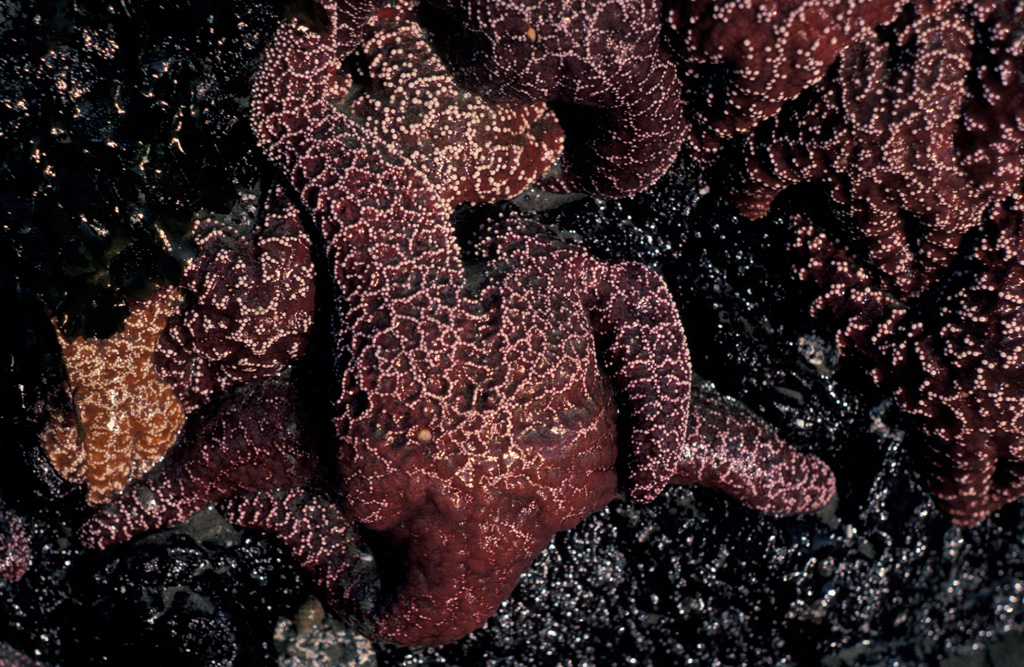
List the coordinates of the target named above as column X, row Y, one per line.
column 11, row 657
column 623, row 120
column 473, row 419
column 917, row 128
column 776, row 478
column 469, row 149
column 125, row 416
column 246, row 440
column 15, row 551
column 956, row 354
column 252, row 306
column 742, row 60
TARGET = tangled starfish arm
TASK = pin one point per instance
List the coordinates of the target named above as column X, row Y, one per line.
column 468, row 148
column 640, row 340
column 725, row 447
column 475, row 403
column 622, row 149
column 15, row 549
column 916, row 128
column 741, row 61
column 954, row 354
column 251, row 305
column 743, row 457
column 599, row 61
column 246, row 441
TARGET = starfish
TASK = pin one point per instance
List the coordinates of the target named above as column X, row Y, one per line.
column 482, row 405
column 615, row 86
column 250, row 307
column 468, row 148
column 740, row 61
column 125, row 417
column 917, row 129
column 954, row 354
column 15, row 550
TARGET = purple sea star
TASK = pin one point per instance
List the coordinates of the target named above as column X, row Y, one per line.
column 478, row 406
column 740, row 61
column 602, row 60
column 955, row 355
column 468, row 148
column 250, row 306
column 918, row 129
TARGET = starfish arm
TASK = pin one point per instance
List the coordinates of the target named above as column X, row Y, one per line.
column 252, row 309
column 643, row 349
column 456, row 579
column 295, row 86
column 627, row 147
column 734, row 451
column 348, row 20
column 679, row 438
column 12, row 657
column 15, row 548
column 250, row 443
column 453, row 581
column 324, row 542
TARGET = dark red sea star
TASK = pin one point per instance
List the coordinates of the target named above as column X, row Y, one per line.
column 955, row 354
column 15, row 552
column 478, row 405
column 740, row 60
column 11, row 657
column 251, row 284
column 602, row 60
column 250, row 306
column 469, row 149
column 917, row 129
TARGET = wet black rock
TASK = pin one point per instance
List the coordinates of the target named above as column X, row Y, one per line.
column 118, row 122
column 170, row 600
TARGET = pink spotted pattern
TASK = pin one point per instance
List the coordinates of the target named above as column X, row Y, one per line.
column 15, row 550
column 250, row 306
column 477, row 407
column 741, row 60
column 602, row 59
column 918, row 152
column 955, row 356
column 467, row 148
